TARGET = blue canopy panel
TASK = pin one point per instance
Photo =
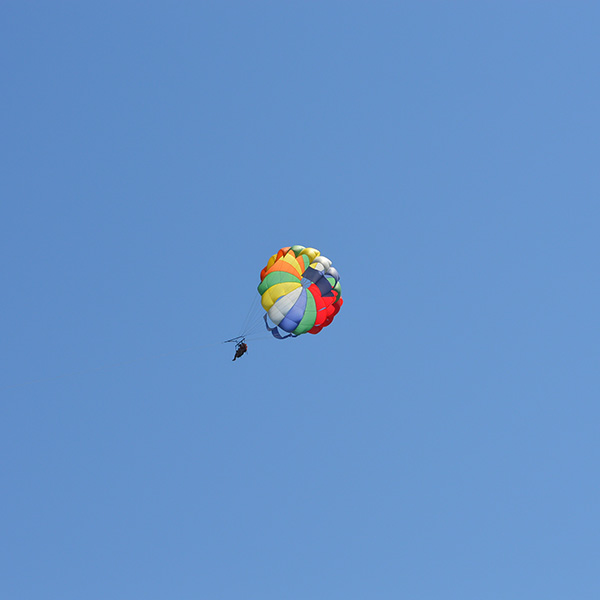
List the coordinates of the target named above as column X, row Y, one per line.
column 318, row 278
column 275, row 331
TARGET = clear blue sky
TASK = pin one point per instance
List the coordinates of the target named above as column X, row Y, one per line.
column 439, row 440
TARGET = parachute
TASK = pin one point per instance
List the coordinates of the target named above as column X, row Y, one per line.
column 300, row 292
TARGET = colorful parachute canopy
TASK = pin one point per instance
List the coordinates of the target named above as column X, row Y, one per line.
column 300, row 291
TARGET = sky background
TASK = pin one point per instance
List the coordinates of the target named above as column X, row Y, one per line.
column 439, row 440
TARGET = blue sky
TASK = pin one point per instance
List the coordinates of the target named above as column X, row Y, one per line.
column 439, row 440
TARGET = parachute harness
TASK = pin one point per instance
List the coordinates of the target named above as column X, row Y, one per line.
column 239, row 340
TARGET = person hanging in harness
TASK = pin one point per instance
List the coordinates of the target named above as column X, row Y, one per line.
column 240, row 349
